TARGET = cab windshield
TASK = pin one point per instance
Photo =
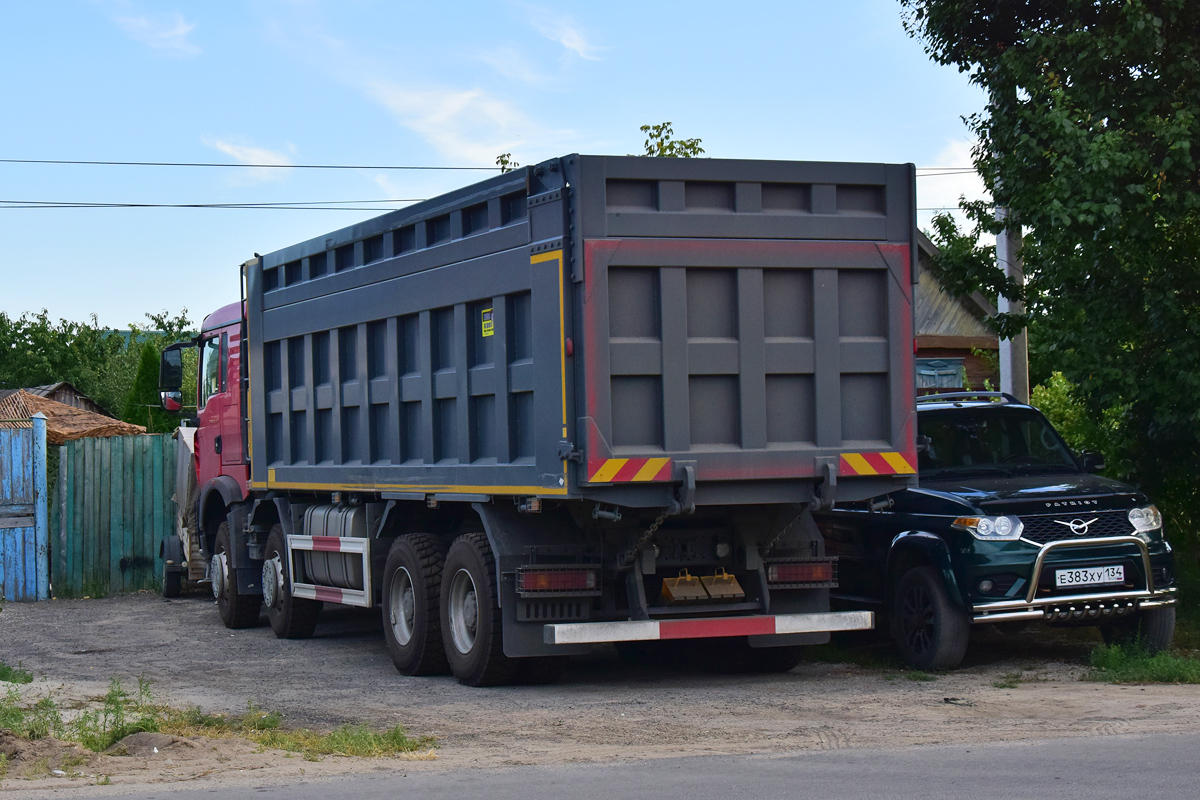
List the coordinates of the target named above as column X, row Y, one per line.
column 1000, row 441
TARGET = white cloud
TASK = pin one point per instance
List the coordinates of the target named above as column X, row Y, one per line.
column 513, row 63
column 463, row 125
column 248, row 154
column 164, row 32
column 564, row 31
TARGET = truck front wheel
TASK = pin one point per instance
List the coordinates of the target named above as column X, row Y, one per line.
column 290, row 617
column 412, row 583
column 930, row 631
column 236, row 610
column 471, row 621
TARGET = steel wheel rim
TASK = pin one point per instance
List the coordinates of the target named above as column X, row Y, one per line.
column 402, row 606
column 918, row 619
column 464, row 611
column 216, row 574
column 272, row 581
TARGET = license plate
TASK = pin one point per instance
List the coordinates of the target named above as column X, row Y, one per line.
column 1089, row 576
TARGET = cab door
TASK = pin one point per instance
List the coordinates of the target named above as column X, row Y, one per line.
column 211, row 380
column 230, row 399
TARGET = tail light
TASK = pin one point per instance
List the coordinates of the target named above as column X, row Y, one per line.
column 809, row 573
column 557, row 580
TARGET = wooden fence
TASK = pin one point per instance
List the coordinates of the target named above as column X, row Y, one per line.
column 24, row 535
column 112, row 509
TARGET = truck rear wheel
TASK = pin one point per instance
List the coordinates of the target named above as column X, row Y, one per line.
column 930, row 631
column 290, row 617
column 472, row 628
column 1153, row 628
column 412, row 585
column 236, row 610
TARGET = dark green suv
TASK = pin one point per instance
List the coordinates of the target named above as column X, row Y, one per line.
column 1007, row 526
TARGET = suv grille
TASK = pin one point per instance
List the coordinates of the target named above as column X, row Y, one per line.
column 1056, row 527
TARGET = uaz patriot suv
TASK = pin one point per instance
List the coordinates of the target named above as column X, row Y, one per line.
column 1007, row 526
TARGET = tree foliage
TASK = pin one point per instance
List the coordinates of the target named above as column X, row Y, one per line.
column 661, row 143
column 141, row 405
column 1090, row 136
column 99, row 362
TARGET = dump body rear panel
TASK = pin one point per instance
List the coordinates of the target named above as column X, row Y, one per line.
column 598, row 327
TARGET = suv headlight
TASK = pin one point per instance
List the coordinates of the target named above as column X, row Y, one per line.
column 1001, row 529
column 1145, row 519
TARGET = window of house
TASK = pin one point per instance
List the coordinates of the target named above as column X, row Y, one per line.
column 940, row 373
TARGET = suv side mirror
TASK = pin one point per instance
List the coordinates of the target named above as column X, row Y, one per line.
column 1092, row 462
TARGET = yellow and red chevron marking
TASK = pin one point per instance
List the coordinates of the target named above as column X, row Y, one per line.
column 629, row 470
column 876, row 464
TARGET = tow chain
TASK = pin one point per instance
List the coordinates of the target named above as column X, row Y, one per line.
column 631, row 554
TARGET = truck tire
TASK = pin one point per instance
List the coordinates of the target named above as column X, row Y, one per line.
column 290, row 617
column 412, row 621
column 1154, row 628
column 236, row 610
column 930, row 631
column 472, row 628
column 172, row 582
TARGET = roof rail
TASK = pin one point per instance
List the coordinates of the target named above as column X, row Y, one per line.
column 1004, row 397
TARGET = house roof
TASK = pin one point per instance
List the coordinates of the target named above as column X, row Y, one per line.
column 937, row 313
column 63, row 422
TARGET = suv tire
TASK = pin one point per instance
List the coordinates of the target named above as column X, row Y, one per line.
column 1154, row 628
column 930, row 631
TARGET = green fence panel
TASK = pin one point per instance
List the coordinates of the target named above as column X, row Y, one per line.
column 113, row 508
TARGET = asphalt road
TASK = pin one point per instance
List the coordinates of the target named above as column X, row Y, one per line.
column 1093, row 768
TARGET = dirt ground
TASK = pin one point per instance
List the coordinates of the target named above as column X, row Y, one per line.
column 601, row 710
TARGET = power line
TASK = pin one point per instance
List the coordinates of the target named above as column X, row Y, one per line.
column 213, row 164
column 312, row 205
column 939, row 170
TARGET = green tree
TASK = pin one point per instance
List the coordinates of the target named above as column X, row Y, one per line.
column 1089, row 137
column 661, row 143
column 141, row 406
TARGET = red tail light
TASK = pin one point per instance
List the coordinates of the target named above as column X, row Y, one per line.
column 803, row 572
column 556, row 580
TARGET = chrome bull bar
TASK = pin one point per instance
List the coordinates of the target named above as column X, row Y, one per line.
column 1094, row 605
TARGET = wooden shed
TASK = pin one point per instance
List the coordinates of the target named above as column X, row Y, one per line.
column 955, row 349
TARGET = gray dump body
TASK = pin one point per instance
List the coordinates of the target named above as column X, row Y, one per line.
column 628, row 330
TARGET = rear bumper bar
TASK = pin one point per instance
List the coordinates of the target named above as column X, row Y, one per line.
column 706, row 628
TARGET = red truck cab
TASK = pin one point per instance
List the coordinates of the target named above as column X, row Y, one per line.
column 219, row 437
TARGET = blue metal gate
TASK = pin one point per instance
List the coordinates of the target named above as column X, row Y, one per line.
column 24, row 533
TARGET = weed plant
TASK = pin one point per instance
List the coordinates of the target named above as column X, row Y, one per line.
column 15, row 674
column 1133, row 664
column 122, row 714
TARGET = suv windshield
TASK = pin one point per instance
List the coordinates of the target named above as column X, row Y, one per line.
column 990, row 441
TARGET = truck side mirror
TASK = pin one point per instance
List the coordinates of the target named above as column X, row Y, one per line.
column 170, row 370
column 171, row 401
column 1092, row 462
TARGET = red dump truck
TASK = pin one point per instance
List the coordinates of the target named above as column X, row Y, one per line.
column 588, row 401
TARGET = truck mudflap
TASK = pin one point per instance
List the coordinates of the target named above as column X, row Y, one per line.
column 706, row 628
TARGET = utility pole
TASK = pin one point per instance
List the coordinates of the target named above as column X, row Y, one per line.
column 1014, row 352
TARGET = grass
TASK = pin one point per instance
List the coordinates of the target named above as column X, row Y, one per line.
column 1009, row 680
column 15, row 674
column 121, row 714
column 920, row 676
column 1132, row 664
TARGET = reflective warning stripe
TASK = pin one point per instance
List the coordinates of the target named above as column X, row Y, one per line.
column 629, row 470
column 876, row 464
column 711, row 628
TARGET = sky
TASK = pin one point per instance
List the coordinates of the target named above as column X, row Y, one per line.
column 376, row 83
